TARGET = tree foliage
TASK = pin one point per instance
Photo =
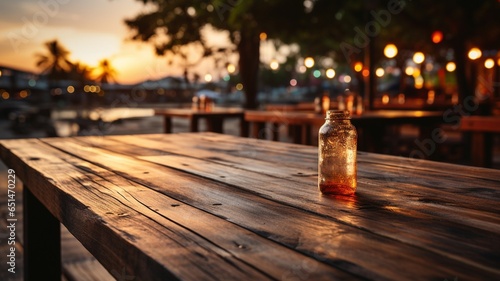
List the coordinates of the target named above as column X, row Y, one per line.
column 465, row 24
column 55, row 62
column 106, row 72
column 173, row 26
column 320, row 27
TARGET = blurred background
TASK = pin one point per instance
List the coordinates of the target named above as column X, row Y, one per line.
column 101, row 67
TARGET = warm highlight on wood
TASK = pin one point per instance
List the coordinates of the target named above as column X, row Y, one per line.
column 205, row 206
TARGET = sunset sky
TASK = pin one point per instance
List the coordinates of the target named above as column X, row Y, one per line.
column 91, row 30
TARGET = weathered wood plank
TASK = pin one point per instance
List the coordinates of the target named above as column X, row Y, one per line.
column 122, row 164
column 286, row 154
column 404, row 178
column 435, row 198
column 452, row 212
column 253, row 249
column 143, row 241
column 207, row 255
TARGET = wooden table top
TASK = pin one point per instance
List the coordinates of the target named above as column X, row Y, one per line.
column 301, row 117
column 187, row 112
column 204, row 206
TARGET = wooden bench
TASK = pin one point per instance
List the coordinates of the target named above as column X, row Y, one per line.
column 482, row 129
column 214, row 118
column 371, row 125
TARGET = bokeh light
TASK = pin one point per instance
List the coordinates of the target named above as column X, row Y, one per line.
column 451, row 66
column 431, row 95
column 385, row 99
column 358, row 66
column 191, row 11
column 330, row 73
column 23, row 94
column 416, row 72
column 263, row 36
column 419, row 82
column 293, row 82
column 390, row 51
column 401, row 98
column 437, row 36
column 317, row 74
column 231, row 68
column 418, row 57
column 409, row 70
column 489, row 63
column 379, row 72
column 474, row 54
column 208, row 77
column 70, row 89
column 309, row 62
column 274, row 64
column 239, row 86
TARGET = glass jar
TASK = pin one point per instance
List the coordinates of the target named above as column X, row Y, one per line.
column 337, row 141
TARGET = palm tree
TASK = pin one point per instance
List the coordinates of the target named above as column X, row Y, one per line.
column 81, row 72
column 56, row 63
column 106, row 72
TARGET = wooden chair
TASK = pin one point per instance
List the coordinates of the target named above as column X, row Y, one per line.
column 482, row 129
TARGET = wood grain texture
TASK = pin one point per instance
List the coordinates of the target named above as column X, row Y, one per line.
column 450, row 213
column 227, row 207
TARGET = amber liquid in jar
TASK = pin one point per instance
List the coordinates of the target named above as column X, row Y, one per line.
column 337, row 141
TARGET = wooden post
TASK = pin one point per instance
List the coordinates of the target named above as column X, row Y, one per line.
column 258, row 130
column 243, row 127
column 215, row 124
column 42, row 240
column 167, row 125
column 276, row 131
column 193, row 124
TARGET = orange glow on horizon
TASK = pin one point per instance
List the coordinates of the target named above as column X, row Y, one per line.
column 90, row 39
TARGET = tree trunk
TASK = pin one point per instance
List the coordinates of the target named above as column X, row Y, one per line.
column 249, row 51
column 465, row 77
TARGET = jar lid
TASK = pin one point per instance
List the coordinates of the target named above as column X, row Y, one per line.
column 338, row 115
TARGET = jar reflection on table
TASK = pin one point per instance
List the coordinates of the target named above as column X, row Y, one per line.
column 337, row 166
